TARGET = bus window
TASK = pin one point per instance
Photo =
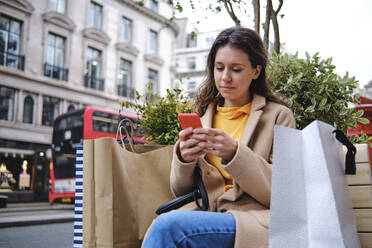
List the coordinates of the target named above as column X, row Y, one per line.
column 64, row 165
column 105, row 122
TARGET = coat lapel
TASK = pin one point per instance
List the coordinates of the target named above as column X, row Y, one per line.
column 207, row 118
column 256, row 111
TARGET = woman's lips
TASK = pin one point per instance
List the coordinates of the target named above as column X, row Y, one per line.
column 224, row 88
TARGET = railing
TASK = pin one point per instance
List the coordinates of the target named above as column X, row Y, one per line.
column 12, row 60
column 126, row 91
column 55, row 72
column 94, row 83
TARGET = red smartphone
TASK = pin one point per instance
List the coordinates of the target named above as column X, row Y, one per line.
column 189, row 120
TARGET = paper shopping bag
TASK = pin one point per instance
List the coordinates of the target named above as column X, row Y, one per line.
column 121, row 191
column 310, row 206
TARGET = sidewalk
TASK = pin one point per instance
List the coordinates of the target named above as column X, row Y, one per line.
column 23, row 214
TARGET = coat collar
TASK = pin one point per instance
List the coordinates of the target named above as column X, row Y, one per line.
column 258, row 103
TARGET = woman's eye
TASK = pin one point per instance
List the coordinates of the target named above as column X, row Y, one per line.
column 219, row 68
column 237, row 70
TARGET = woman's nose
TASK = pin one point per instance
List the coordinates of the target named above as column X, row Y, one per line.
column 226, row 75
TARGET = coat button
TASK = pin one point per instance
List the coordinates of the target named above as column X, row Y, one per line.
column 223, row 210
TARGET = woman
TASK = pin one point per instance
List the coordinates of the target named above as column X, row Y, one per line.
column 233, row 150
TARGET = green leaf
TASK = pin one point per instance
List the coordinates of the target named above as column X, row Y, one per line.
column 363, row 120
column 323, row 102
column 359, row 113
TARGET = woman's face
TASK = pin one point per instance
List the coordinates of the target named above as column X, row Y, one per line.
column 233, row 74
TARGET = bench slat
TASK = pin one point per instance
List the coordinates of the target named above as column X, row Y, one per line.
column 361, row 196
column 363, row 219
column 365, row 240
column 362, row 177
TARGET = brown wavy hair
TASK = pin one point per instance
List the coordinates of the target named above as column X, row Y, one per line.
column 249, row 42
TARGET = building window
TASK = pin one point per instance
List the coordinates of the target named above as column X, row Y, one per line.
column 50, row 110
column 10, row 39
column 209, row 41
column 152, row 77
column 28, row 110
column 55, row 58
column 127, row 29
column 192, row 89
column 70, row 108
column 58, row 6
column 153, row 42
column 191, row 63
column 191, row 40
column 153, row 5
column 95, row 15
column 125, row 79
column 93, row 70
column 7, row 96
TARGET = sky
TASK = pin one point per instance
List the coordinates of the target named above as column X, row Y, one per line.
column 341, row 29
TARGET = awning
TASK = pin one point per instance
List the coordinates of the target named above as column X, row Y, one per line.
column 16, row 151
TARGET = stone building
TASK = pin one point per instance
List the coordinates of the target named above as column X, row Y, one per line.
column 61, row 55
column 191, row 55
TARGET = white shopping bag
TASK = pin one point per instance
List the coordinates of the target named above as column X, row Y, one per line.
column 310, row 206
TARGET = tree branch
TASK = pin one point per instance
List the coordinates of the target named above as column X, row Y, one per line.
column 276, row 12
column 230, row 10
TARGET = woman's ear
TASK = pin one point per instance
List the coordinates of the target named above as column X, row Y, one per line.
column 257, row 71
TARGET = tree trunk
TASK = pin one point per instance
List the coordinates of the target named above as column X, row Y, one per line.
column 274, row 18
column 256, row 10
column 276, row 33
column 267, row 23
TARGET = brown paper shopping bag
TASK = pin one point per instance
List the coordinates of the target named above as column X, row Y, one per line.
column 122, row 190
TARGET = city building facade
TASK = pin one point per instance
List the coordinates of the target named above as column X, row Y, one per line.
column 191, row 55
column 61, row 55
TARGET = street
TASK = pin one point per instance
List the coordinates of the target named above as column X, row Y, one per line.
column 41, row 236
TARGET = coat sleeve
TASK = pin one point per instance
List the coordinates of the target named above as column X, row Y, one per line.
column 251, row 171
column 181, row 174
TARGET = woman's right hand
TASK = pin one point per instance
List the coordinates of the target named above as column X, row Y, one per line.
column 188, row 146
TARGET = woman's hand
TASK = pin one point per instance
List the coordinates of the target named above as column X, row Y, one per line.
column 188, row 146
column 215, row 142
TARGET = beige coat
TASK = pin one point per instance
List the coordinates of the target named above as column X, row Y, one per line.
column 249, row 200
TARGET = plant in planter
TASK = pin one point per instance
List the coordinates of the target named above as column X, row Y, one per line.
column 313, row 91
column 159, row 114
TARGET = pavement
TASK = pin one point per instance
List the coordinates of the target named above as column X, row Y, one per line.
column 24, row 214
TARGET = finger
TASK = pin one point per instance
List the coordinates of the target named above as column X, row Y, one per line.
column 191, row 153
column 208, row 131
column 188, row 143
column 184, row 134
column 209, row 138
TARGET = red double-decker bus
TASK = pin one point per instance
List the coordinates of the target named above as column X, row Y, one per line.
column 69, row 131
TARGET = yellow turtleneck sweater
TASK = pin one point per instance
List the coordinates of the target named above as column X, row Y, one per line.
column 232, row 120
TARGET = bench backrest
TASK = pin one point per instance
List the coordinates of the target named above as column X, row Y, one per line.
column 360, row 189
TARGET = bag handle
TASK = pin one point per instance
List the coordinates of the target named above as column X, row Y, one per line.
column 123, row 127
column 192, row 196
column 350, row 168
column 202, row 190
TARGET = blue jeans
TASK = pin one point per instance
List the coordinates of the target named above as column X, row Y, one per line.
column 191, row 229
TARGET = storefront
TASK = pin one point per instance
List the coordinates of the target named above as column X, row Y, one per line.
column 24, row 171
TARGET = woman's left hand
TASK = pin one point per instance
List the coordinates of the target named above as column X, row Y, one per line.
column 216, row 142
